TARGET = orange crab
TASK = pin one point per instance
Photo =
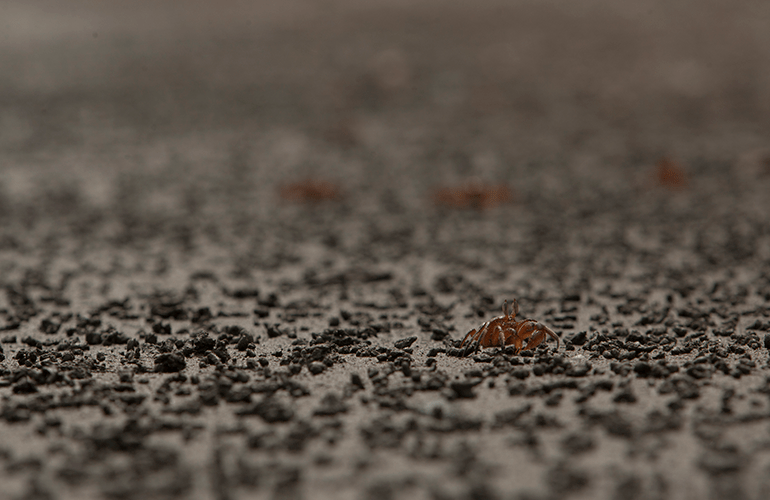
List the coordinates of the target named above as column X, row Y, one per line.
column 505, row 330
column 670, row 174
column 473, row 195
column 310, row 191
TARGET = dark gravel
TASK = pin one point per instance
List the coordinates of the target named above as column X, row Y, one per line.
column 170, row 382
column 259, row 288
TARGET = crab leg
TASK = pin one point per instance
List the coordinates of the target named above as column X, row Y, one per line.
column 551, row 334
column 471, row 334
column 540, row 331
column 500, row 337
column 475, row 337
column 516, row 345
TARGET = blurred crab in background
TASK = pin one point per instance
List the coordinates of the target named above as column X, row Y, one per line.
column 473, row 195
column 310, row 191
column 670, row 174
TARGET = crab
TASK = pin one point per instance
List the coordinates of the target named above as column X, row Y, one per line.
column 310, row 191
column 505, row 330
column 670, row 174
column 474, row 195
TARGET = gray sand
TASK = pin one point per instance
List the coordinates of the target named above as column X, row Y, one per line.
column 174, row 327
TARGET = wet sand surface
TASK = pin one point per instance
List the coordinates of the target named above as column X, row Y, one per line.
column 238, row 263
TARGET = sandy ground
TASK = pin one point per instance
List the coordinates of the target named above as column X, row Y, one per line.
column 240, row 246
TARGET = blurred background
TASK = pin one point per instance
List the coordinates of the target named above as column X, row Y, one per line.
column 445, row 89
